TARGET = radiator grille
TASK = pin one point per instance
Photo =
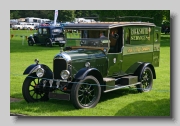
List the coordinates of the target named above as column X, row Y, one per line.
column 58, row 66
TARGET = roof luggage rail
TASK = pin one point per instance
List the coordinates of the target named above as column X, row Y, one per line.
column 131, row 19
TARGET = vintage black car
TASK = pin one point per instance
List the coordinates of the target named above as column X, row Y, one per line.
column 48, row 36
column 165, row 27
column 89, row 65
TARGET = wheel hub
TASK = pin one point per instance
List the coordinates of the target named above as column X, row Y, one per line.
column 86, row 92
column 37, row 89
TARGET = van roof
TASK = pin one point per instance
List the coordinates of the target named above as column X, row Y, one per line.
column 105, row 25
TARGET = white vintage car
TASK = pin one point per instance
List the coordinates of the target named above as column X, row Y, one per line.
column 30, row 26
column 17, row 27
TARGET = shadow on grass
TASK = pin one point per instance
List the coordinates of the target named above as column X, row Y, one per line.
column 117, row 94
column 160, row 108
column 60, row 105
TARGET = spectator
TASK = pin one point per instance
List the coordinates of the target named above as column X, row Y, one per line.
column 102, row 35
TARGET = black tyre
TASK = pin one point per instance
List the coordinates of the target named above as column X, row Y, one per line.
column 61, row 44
column 49, row 43
column 146, row 79
column 86, row 93
column 33, row 90
column 30, row 43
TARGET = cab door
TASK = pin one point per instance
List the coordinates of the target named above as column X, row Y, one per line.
column 115, row 58
column 43, row 35
column 114, row 64
column 39, row 35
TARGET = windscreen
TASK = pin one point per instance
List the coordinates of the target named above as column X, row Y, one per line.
column 93, row 38
column 56, row 31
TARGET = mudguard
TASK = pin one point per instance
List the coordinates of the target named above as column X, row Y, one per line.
column 133, row 68
column 33, row 67
column 31, row 38
column 143, row 65
column 82, row 73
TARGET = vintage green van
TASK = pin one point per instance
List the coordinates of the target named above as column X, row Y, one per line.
column 98, row 57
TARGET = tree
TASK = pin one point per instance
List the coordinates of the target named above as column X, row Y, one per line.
column 166, row 15
column 66, row 15
column 156, row 14
column 84, row 13
column 14, row 14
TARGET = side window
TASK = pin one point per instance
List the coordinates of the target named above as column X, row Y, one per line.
column 112, row 37
column 44, row 31
column 156, row 37
column 127, row 36
column 85, row 34
column 40, row 30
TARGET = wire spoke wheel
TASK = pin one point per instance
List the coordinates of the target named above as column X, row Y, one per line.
column 49, row 43
column 33, row 90
column 146, row 79
column 86, row 93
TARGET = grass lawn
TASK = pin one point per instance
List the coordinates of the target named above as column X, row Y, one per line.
column 123, row 102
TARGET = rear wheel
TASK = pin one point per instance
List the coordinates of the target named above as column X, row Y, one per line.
column 86, row 93
column 146, row 79
column 49, row 43
column 33, row 90
column 30, row 43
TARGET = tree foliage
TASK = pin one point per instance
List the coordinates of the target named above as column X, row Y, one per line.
column 157, row 15
column 69, row 15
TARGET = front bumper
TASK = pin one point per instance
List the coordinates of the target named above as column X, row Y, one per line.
column 58, row 42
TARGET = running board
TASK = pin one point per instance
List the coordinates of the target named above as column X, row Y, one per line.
column 119, row 87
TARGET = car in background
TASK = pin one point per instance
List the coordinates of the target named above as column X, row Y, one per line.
column 28, row 27
column 36, row 27
column 165, row 27
column 18, row 27
column 48, row 36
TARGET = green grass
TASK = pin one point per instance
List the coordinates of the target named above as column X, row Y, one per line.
column 123, row 102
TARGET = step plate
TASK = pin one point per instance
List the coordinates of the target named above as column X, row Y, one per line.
column 128, row 80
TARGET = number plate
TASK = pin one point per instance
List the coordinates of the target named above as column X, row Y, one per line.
column 59, row 96
column 58, row 39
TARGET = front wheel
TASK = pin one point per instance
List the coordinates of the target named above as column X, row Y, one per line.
column 86, row 93
column 146, row 79
column 61, row 44
column 33, row 90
